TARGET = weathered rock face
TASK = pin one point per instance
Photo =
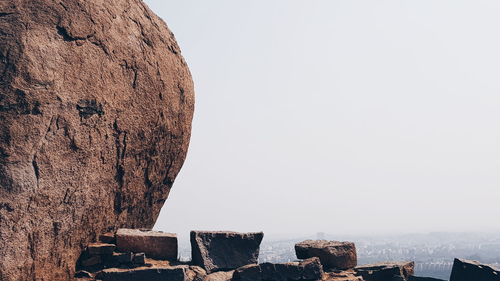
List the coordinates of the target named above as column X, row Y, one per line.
column 416, row 278
column 96, row 105
column 224, row 250
column 333, row 254
column 467, row 270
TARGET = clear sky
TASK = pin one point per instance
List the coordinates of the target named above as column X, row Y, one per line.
column 349, row 117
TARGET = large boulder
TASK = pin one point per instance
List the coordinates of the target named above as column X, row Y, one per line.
column 224, row 250
column 333, row 254
column 386, row 271
column 154, row 244
column 96, row 104
column 468, row 270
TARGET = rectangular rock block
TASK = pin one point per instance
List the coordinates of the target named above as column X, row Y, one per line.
column 386, row 271
column 143, row 274
column 224, row 250
column 100, row 249
column 310, row 270
column 333, row 254
column 155, row 244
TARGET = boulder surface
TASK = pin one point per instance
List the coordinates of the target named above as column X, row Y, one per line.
column 154, row 244
column 333, row 254
column 224, row 250
column 96, row 104
column 468, row 270
column 386, row 271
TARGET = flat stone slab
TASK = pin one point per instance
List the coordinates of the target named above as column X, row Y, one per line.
column 224, row 250
column 468, row 270
column 417, row 278
column 100, row 249
column 386, row 271
column 309, row 270
column 220, row 276
column 333, row 254
column 341, row 276
column 143, row 274
column 154, row 244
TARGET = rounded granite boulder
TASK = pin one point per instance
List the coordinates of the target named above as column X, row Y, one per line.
column 96, row 104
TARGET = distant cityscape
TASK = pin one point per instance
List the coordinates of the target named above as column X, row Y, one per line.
column 433, row 253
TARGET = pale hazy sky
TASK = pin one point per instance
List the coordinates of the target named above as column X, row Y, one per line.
column 349, row 117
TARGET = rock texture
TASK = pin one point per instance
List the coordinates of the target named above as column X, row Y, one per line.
column 154, row 244
column 467, row 270
column 333, row 254
column 223, row 250
column 341, row 276
column 310, row 270
column 96, row 104
column 416, row 278
column 386, row 271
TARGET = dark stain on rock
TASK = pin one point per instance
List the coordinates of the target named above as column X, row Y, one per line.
column 88, row 108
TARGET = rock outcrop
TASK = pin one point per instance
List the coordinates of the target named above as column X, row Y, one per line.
column 467, row 270
column 96, row 104
column 333, row 254
column 224, row 250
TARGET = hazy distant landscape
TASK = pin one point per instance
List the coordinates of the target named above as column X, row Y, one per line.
column 433, row 253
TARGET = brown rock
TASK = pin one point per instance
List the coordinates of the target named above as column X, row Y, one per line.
column 96, row 104
column 223, row 250
column 220, row 276
column 108, row 238
column 143, row 274
column 467, row 270
column 386, row 271
column 341, row 276
column 309, row 269
column 154, row 244
column 250, row 272
column 91, row 261
column 333, row 254
column 139, row 258
column 100, row 249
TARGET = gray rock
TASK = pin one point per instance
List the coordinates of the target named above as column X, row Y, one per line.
column 333, row 254
column 386, row 271
column 222, row 250
column 154, row 244
column 467, row 270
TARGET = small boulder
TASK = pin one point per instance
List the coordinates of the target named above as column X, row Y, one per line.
column 333, row 254
column 386, row 271
column 222, row 250
column 100, row 249
column 250, row 272
column 91, row 261
column 139, row 259
column 309, row 269
column 154, row 244
column 467, row 270
column 143, row 274
column 108, row 238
